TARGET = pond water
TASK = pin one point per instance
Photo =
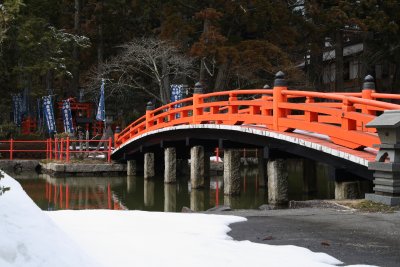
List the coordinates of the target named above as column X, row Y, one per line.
column 135, row 193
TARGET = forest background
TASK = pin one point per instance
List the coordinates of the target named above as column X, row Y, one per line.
column 140, row 48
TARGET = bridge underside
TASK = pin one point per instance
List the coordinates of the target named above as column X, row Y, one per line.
column 274, row 145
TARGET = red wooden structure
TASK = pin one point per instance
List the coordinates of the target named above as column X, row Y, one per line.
column 341, row 116
column 82, row 115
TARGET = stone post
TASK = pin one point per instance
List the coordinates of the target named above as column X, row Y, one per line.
column 131, row 167
column 149, row 165
column 387, row 162
column 277, row 182
column 197, row 167
column 231, row 172
column 347, row 190
column 169, row 165
column 309, row 176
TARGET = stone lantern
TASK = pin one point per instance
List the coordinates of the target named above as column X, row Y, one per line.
column 387, row 162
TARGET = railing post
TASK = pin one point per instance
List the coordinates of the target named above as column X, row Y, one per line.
column 232, row 109
column 308, row 115
column 61, row 148
column 67, row 150
column 50, row 149
column 367, row 90
column 197, row 100
column 149, row 115
column 116, row 134
column 109, row 149
column 348, row 124
column 55, row 148
column 280, row 84
column 11, row 149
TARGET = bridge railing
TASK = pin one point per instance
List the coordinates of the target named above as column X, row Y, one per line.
column 341, row 116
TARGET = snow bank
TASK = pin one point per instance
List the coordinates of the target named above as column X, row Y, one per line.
column 28, row 237
column 126, row 238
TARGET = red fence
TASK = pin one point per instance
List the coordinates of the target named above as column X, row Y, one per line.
column 57, row 149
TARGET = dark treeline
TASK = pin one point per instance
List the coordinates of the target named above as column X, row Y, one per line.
column 62, row 47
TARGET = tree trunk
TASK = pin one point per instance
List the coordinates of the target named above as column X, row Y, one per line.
column 165, row 83
column 202, row 74
column 339, row 79
column 76, row 53
column 315, row 69
column 49, row 82
column 100, row 39
column 367, row 65
column 221, row 77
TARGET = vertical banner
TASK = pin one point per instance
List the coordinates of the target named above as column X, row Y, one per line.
column 101, row 111
column 67, row 117
column 17, row 105
column 177, row 92
column 49, row 114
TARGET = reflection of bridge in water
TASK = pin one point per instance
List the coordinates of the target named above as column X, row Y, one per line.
column 281, row 123
column 82, row 193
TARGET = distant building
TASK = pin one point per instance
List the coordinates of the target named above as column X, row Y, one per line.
column 352, row 69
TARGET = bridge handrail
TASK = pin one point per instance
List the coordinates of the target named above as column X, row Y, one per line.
column 342, row 116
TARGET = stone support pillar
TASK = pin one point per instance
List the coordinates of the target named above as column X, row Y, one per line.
column 131, row 167
column 277, row 182
column 197, row 167
column 169, row 165
column 309, row 176
column 149, row 165
column 347, row 190
column 231, row 172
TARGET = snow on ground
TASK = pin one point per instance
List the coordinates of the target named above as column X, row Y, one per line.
column 28, row 237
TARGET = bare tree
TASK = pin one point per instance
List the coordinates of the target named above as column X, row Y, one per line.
column 146, row 64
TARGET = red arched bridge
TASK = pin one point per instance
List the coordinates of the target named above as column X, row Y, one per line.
column 302, row 122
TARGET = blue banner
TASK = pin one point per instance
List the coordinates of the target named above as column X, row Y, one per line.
column 67, row 117
column 177, row 93
column 17, row 109
column 101, row 109
column 49, row 114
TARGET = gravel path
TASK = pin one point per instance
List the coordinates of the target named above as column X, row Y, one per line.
column 350, row 236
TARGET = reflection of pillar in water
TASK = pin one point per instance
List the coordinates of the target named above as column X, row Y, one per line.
column 197, row 198
column 108, row 197
column 148, row 193
column 170, row 197
column 131, row 183
column 67, row 196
